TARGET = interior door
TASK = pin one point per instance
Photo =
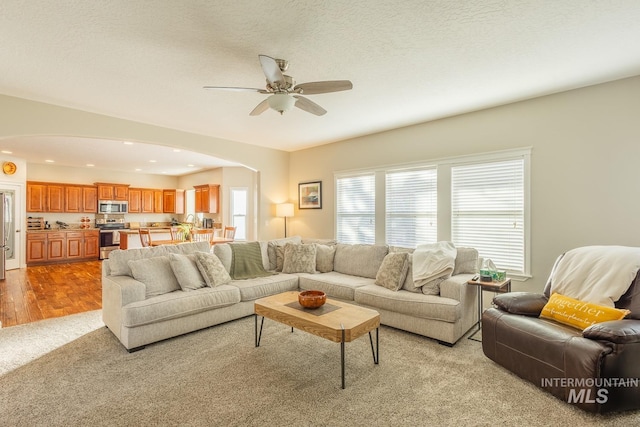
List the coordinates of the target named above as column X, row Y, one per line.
column 12, row 217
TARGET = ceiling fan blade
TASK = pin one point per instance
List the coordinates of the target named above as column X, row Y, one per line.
column 314, row 88
column 260, row 108
column 309, row 106
column 236, row 89
column 271, row 70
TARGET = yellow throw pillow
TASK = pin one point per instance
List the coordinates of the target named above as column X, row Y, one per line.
column 579, row 314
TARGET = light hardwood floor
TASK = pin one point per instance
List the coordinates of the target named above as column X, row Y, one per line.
column 41, row 292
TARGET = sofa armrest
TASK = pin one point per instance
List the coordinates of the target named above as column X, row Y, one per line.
column 625, row 331
column 455, row 287
column 523, row 303
column 128, row 289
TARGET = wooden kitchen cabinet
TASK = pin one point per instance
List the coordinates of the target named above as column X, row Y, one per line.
column 62, row 246
column 108, row 191
column 207, row 198
column 55, row 198
column 157, row 201
column 73, row 199
column 146, row 200
column 36, row 247
column 173, row 201
column 36, row 197
column 135, row 194
column 89, row 199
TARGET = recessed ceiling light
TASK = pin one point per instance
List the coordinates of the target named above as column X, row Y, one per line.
column 127, row 143
column 7, row 152
column 152, row 161
column 192, row 166
column 176, row 150
column 138, row 169
column 90, row 165
column 50, row 161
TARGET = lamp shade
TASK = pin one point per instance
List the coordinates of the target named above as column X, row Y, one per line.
column 281, row 102
column 284, row 210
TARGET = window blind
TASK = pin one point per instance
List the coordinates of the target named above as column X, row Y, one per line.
column 487, row 202
column 355, row 209
column 411, row 207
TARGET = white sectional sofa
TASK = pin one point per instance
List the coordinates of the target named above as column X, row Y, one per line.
column 150, row 295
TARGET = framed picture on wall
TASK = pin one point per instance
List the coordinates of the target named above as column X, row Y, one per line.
column 310, row 195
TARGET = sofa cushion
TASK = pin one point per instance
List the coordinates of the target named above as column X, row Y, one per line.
column 178, row 304
column 579, row 314
column 252, row 289
column 324, row 257
column 156, row 274
column 523, row 303
column 359, row 260
column 299, row 258
column 335, row 285
column 393, row 271
column 409, row 303
column 119, row 259
column 186, row 270
column 272, row 252
column 212, row 270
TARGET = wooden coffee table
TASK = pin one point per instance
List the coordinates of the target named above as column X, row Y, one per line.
column 336, row 321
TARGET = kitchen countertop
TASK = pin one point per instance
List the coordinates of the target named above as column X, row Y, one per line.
column 57, row 230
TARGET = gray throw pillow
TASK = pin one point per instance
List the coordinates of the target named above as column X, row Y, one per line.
column 433, row 287
column 186, row 271
column 393, row 271
column 156, row 274
column 466, row 261
column 324, row 257
column 408, row 284
column 212, row 269
column 299, row 258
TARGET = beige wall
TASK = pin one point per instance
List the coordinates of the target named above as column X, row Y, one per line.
column 21, row 117
column 584, row 163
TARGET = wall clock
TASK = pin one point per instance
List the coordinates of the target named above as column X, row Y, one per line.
column 9, row 168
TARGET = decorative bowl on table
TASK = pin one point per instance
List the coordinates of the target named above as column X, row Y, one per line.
column 312, row 299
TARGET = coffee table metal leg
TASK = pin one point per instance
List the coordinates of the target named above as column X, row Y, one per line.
column 376, row 352
column 258, row 336
column 342, row 355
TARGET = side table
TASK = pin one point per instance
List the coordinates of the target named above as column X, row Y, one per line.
column 500, row 287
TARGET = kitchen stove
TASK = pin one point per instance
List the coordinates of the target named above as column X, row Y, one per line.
column 110, row 226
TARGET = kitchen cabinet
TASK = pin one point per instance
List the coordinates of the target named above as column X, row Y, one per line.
column 135, row 195
column 89, row 199
column 173, row 201
column 62, row 246
column 36, row 197
column 107, row 191
column 207, row 198
column 73, row 199
column 55, row 198
column 146, row 200
column 157, row 201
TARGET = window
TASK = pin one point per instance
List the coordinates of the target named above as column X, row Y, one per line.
column 355, row 215
column 239, row 212
column 411, row 207
column 488, row 211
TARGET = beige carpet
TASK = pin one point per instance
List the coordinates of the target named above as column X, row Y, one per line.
column 217, row 377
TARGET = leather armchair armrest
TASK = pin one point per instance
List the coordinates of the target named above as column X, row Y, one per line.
column 615, row 331
column 523, row 303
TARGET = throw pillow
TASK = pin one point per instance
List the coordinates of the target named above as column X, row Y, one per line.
column 273, row 245
column 393, row 271
column 299, row 258
column 408, row 284
column 466, row 261
column 186, row 271
column 324, row 258
column 432, row 287
column 156, row 274
column 579, row 314
column 212, row 269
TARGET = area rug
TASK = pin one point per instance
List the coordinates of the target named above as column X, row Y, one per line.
column 217, row 377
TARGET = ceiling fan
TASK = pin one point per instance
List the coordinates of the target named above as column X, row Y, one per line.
column 285, row 93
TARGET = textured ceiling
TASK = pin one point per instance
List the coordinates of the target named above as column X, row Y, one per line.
column 409, row 61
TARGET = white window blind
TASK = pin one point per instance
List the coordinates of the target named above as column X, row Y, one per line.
column 411, row 207
column 239, row 212
column 355, row 209
column 488, row 205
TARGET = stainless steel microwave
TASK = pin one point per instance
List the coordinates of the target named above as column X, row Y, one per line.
column 112, row 206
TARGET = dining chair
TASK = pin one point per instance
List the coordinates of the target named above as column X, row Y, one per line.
column 145, row 237
column 202, row 235
column 230, row 233
column 178, row 233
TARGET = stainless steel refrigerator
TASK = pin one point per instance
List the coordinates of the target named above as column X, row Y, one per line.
column 6, row 230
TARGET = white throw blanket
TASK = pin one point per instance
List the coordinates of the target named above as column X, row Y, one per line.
column 596, row 274
column 433, row 261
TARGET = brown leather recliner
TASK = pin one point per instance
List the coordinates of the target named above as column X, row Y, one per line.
column 597, row 369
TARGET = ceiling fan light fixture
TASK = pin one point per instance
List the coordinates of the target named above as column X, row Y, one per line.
column 281, row 102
